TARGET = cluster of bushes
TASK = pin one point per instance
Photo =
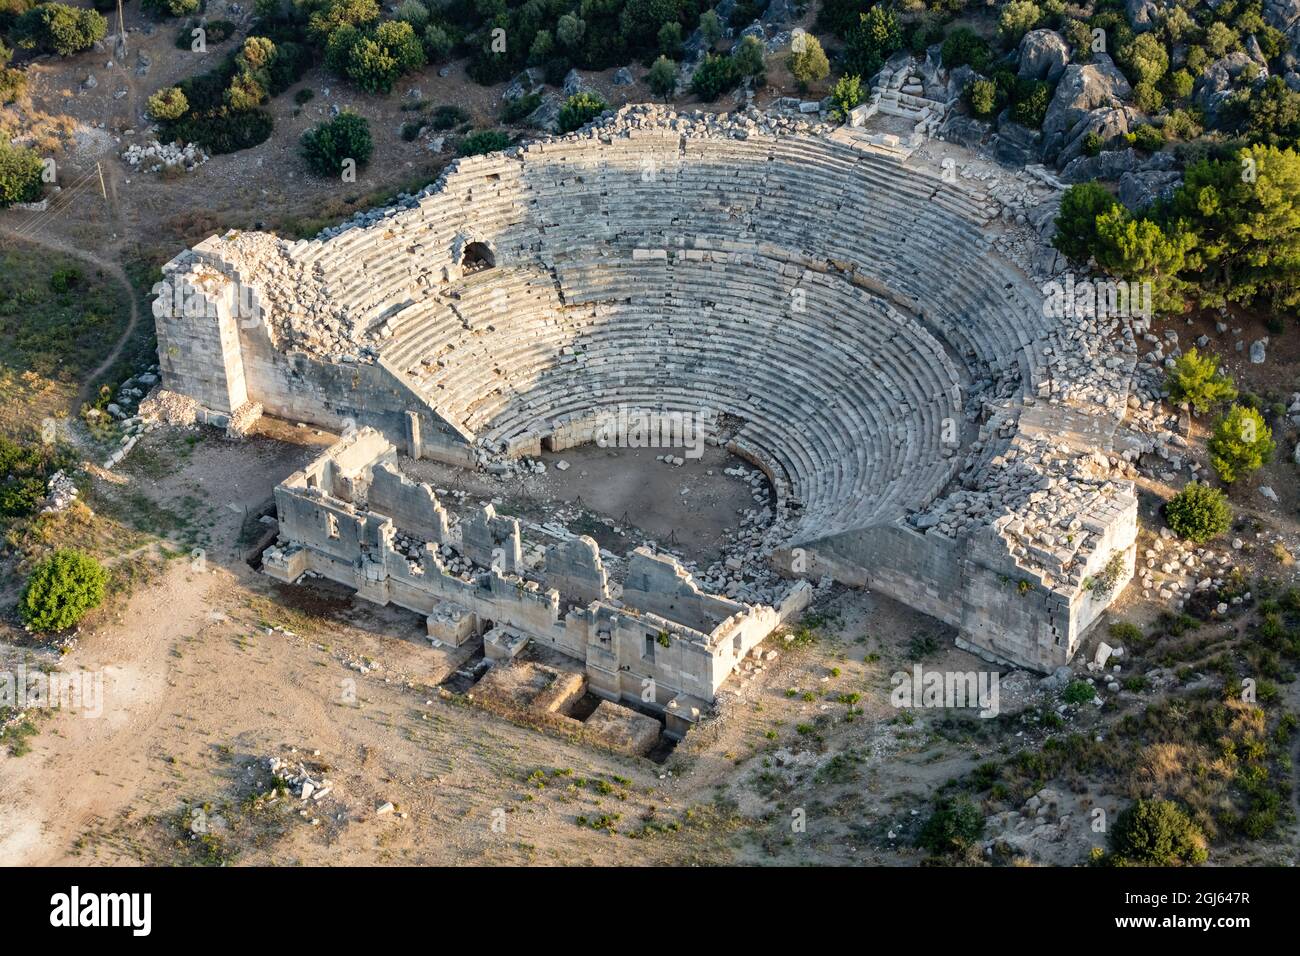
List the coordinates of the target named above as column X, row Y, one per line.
column 13, row 82
column 168, row 8
column 1028, row 99
column 373, row 54
column 222, row 110
column 874, row 37
column 58, row 28
column 25, row 469
column 1230, row 233
column 1241, row 441
column 501, row 37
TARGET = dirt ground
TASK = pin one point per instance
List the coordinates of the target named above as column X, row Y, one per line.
column 212, row 668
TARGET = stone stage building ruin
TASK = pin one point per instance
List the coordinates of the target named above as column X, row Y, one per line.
column 869, row 332
column 665, row 643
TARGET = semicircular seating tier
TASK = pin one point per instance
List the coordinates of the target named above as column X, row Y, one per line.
column 844, row 319
column 832, row 302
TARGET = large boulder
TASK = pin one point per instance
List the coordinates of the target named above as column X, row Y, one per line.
column 526, row 82
column 1283, row 14
column 1140, row 188
column 546, row 116
column 1108, row 122
column 1084, row 87
column 1015, row 145
column 1142, row 14
column 779, row 13
column 934, row 77
column 1108, row 164
column 964, row 130
column 958, row 80
column 1044, row 55
column 1218, row 82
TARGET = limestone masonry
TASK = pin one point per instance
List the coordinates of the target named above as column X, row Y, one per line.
column 864, row 328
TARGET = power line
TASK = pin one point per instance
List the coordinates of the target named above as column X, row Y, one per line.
column 38, row 223
column 58, row 205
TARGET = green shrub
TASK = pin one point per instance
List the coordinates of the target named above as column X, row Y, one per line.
column 1221, row 39
column 1078, row 692
column 214, row 31
column 1144, row 59
column 1016, row 19
column 711, row 29
column 670, row 39
column 58, row 28
column 516, row 110
column 715, row 76
column 170, row 8
column 964, row 47
column 1157, row 833
column 168, row 104
column 346, row 136
column 1196, row 380
column 1126, row 632
column 483, row 141
column 748, row 54
column 1179, row 84
column 1148, row 138
column 1093, row 144
column 578, row 110
column 413, row 12
column 1076, row 222
column 63, row 280
column 437, row 43
column 876, row 37
column 982, row 97
column 61, row 589
column 374, row 61
column 1241, row 444
column 1030, row 102
column 13, row 84
column 20, row 174
column 1148, row 98
column 25, row 468
column 846, row 95
column 953, row 826
column 807, row 61
column 1198, row 513
column 447, row 116
column 662, row 78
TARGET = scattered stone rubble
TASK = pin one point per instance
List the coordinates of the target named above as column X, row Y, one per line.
column 60, row 492
column 154, row 157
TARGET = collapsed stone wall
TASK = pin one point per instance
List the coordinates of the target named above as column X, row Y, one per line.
column 665, row 637
column 879, row 358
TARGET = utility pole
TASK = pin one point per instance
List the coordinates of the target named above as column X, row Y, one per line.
column 103, row 190
column 121, row 32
